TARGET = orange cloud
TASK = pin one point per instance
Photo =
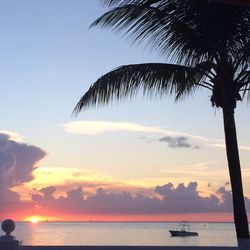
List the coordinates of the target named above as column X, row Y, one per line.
column 67, row 178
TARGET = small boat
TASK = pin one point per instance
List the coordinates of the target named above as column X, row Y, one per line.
column 183, row 230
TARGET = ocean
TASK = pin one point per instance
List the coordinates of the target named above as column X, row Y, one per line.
column 122, row 233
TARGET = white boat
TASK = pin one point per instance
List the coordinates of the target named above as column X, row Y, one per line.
column 183, row 230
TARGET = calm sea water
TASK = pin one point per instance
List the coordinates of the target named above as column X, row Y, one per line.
column 122, row 233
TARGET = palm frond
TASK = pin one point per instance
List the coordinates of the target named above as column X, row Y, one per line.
column 151, row 79
column 190, row 31
column 243, row 82
column 112, row 3
column 196, row 78
column 115, row 3
column 122, row 17
column 242, row 59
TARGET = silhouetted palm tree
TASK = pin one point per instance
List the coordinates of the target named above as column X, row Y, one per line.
column 208, row 46
column 235, row 2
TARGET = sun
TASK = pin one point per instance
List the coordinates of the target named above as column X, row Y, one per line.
column 34, row 220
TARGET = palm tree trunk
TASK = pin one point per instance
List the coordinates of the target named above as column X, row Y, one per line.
column 240, row 215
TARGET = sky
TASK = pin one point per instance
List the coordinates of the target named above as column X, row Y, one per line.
column 140, row 159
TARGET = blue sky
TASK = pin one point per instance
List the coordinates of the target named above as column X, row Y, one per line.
column 49, row 58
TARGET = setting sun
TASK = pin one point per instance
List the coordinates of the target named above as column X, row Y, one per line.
column 34, row 220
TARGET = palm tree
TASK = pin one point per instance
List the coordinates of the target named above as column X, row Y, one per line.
column 236, row 2
column 206, row 44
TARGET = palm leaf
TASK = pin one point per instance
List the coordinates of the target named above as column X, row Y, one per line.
column 197, row 78
column 243, row 57
column 190, row 31
column 152, row 79
column 112, row 3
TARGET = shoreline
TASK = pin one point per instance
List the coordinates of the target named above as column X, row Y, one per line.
column 127, row 248
column 100, row 221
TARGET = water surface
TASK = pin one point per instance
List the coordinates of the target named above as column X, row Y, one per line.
column 122, row 233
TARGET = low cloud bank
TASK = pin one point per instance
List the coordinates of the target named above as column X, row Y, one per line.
column 168, row 200
column 18, row 161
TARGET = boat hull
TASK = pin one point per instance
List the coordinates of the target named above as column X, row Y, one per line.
column 176, row 233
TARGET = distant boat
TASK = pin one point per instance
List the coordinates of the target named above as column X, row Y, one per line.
column 183, row 230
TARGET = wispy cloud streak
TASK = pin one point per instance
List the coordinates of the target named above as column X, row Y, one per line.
column 95, row 128
column 100, row 127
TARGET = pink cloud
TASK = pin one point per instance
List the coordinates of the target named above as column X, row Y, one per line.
column 179, row 200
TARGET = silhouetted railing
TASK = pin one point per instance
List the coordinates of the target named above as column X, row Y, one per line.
column 123, row 248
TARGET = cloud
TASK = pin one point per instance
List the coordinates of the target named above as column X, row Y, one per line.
column 94, row 128
column 167, row 200
column 187, row 199
column 17, row 162
column 12, row 135
column 178, row 142
column 100, row 127
column 66, row 178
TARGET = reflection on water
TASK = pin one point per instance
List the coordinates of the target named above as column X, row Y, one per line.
column 122, row 233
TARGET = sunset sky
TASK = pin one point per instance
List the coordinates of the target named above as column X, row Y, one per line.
column 139, row 159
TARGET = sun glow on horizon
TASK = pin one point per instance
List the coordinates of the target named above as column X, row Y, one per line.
column 34, row 219
column 193, row 217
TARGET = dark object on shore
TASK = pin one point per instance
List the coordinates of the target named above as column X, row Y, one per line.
column 8, row 226
column 183, row 230
column 7, row 241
